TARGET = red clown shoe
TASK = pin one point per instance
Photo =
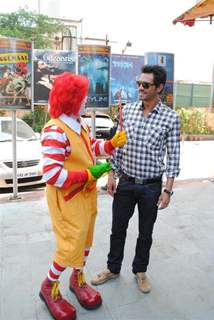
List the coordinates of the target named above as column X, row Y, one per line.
column 59, row 308
column 86, row 295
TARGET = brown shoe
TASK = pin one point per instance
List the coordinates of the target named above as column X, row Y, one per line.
column 143, row 282
column 103, row 277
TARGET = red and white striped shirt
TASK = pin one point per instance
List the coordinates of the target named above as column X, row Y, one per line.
column 56, row 149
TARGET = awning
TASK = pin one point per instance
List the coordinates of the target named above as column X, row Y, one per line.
column 202, row 10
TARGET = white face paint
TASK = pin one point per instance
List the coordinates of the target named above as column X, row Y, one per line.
column 82, row 107
column 82, row 110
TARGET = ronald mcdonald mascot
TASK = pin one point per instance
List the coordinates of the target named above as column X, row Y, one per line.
column 70, row 173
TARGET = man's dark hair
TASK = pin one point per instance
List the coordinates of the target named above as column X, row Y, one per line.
column 158, row 72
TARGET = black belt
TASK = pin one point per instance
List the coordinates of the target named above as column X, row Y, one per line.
column 140, row 181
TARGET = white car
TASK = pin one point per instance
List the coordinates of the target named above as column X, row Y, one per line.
column 29, row 155
column 104, row 124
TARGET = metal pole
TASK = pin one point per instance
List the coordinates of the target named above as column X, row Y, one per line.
column 81, row 30
column 93, row 123
column 15, row 186
column 93, row 127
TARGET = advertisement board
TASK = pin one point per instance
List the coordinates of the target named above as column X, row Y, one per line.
column 15, row 74
column 124, row 70
column 165, row 60
column 47, row 65
column 94, row 63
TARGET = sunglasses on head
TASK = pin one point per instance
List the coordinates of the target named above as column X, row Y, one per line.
column 144, row 84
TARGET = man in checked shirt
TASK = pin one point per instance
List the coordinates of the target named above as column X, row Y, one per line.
column 153, row 132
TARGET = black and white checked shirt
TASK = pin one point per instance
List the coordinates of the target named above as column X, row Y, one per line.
column 149, row 141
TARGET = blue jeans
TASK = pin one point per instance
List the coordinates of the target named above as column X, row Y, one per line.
column 129, row 194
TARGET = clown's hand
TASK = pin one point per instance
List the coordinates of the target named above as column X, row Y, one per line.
column 119, row 139
column 90, row 182
column 94, row 173
column 99, row 169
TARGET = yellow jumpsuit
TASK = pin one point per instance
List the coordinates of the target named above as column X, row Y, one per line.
column 73, row 211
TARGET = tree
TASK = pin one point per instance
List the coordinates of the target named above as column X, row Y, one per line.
column 28, row 25
column 37, row 118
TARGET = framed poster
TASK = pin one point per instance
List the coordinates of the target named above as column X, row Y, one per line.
column 15, row 74
column 47, row 65
column 94, row 63
column 124, row 70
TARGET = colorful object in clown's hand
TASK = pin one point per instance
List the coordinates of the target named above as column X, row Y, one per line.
column 99, row 169
column 120, row 113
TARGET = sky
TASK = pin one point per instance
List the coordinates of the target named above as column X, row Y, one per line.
column 147, row 24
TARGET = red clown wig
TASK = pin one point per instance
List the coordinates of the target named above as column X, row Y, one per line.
column 68, row 92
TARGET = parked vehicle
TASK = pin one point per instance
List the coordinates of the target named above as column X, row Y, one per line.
column 29, row 155
column 103, row 123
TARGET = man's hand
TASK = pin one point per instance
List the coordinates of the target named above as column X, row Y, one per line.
column 119, row 139
column 163, row 201
column 164, row 198
column 111, row 184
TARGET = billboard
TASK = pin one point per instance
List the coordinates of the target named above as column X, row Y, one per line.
column 165, row 60
column 94, row 63
column 47, row 64
column 124, row 70
column 15, row 74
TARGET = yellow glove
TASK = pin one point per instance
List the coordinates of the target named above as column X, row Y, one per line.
column 91, row 180
column 119, row 139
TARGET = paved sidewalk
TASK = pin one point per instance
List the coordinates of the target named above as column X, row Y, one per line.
column 181, row 268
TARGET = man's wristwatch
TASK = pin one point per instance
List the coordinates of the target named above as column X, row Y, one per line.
column 170, row 193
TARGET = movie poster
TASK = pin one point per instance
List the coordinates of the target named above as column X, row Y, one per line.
column 124, row 71
column 15, row 74
column 165, row 60
column 47, row 65
column 94, row 63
